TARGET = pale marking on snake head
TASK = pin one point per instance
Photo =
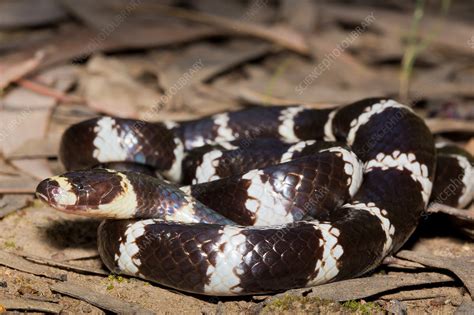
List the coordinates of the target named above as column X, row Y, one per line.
column 328, row 128
column 352, row 167
column 110, row 145
column 287, row 126
column 368, row 112
column 65, row 195
column 385, row 223
column 297, row 147
column 468, row 180
column 224, row 133
column 206, row 171
column 326, row 267
column 224, row 275
column 269, row 207
column 401, row 161
column 175, row 171
column 127, row 259
column 125, row 204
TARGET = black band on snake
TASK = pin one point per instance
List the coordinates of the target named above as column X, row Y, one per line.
column 277, row 197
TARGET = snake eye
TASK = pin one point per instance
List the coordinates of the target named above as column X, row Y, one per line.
column 79, row 186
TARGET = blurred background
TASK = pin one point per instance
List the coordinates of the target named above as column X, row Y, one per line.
column 63, row 61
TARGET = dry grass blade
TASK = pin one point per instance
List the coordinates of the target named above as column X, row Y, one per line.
column 103, row 301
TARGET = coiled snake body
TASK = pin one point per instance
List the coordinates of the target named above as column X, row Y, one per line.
column 270, row 206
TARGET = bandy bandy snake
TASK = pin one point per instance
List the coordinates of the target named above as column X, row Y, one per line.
column 259, row 200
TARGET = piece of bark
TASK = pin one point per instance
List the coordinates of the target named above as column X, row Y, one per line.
column 359, row 288
column 19, row 304
column 17, row 262
column 460, row 266
column 66, row 266
column 103, row 301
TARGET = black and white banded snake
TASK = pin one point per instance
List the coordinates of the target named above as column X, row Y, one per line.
column 271, row 206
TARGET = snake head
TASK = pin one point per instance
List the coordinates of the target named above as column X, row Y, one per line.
column 91, row 192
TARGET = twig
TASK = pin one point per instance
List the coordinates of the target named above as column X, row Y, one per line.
column 103, row 301
column 397, row 262
column 460, row 213
column 16, row 262
column 47, row 91
column 30, row 305
column 355, row 289
column 66, row 266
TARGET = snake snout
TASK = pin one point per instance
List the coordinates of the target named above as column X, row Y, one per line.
column 56, row 192
column 47, row 188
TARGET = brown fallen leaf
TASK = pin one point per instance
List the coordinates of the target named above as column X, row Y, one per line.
column 278, row 34
column 110, row 89
column 16, row 71
column 12, row 203
column 17, row 127
column 77, row 42
column 36, row 168
column 21, row 13
column 439, row 125
column 37, row 148
column 460, row 266
column 256, row 98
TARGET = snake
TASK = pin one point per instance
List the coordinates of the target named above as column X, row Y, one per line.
column 258, row 200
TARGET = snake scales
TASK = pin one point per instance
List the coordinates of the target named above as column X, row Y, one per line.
column 276, row 197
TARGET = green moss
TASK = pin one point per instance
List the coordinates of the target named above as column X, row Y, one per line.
column 365, row 308
column 290, row 302
column 9, row 244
